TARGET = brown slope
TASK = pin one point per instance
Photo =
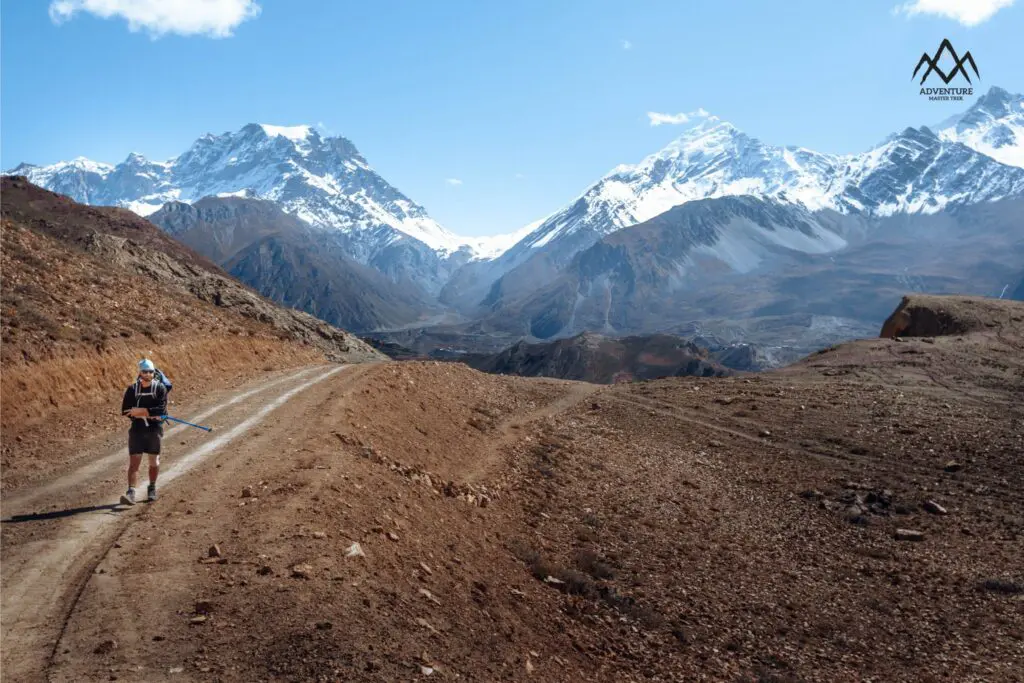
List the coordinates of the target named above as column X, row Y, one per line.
column 87, row 291
column 736, row 529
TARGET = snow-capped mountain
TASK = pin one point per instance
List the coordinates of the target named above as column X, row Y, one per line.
column 324, row 181
column 917, row 170
column 994, row 126
column 327, row 183
column 914, row 171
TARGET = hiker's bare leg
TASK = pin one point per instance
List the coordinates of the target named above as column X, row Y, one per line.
column 154, row 467
column 134, row 462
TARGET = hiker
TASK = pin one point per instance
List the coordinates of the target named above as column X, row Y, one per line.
column 143, row 401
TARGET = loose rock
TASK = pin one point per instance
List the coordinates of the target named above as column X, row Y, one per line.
column 302, row 571
column 909, row 535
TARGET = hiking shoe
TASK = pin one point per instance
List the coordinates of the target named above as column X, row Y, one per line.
column 151, row 492
column 128, row 498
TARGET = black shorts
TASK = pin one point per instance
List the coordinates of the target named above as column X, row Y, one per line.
column 144, row 441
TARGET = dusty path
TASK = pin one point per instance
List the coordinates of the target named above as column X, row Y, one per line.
column 46, row 567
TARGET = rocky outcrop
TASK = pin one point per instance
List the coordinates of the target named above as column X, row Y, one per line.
column 939, row 316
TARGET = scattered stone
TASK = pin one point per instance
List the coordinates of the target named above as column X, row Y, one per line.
column 812, row 494
column 934, row 508
column 204, row 607
column 429, row 596
column 551, row 579
column 264, row 570
column 319, row 534
column 355, row 550
column 199, row 619
column 302, row 571
column 765, row 433
column 426, row 670
column 158, row 639
column 909, row 535
column 176, row 670
column 529, row 666
column 425, row 568
column 106, row 647
column 214, row 551
column 420, row 621
column 247, row 492
column 715, row 444
column 324, row 626
column 392, row 536
column 953, row 466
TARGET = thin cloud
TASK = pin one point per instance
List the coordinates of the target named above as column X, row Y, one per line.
column 213, row 18
column 626, row 45
column 658, row 119
column 967, row 12
column 519, row 176
column 454, row 182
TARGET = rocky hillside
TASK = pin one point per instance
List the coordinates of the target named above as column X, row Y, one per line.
column 87, row 291
column 288, row 261
column 765, row 273
column 592, row 358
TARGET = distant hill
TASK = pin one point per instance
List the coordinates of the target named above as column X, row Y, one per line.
column 593, row 358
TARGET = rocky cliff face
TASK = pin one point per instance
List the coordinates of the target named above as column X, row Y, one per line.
column 288, row 261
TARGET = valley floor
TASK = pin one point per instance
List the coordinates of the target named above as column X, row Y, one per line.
column 738, row 529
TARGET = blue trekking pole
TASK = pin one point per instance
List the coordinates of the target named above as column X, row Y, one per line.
column 190, row 424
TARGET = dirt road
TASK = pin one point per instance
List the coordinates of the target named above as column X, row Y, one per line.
column 46, row 568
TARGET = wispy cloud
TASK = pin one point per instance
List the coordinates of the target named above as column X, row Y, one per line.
column 454, row 182
column 519, row 176
column 626, row 45
column 658, row 119
column 213, row 18
column 967, row 12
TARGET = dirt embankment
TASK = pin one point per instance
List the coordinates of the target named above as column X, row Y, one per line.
column 88, row 291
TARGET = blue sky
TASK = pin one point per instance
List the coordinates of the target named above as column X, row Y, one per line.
column 526, row 103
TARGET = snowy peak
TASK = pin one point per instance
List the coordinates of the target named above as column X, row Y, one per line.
column 917, row 170
column 993, row 126
column 293, row 133
column 324, row 181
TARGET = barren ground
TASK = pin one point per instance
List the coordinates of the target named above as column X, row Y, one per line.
column 736, row 529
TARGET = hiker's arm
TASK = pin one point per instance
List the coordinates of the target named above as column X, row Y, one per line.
column 160, row 409
column 126, row 402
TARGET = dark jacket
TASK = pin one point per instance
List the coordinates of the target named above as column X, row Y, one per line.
column 154, row 398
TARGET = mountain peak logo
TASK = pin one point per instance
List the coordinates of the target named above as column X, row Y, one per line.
column 959, row 68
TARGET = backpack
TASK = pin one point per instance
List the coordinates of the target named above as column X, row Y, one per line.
column 159, row 376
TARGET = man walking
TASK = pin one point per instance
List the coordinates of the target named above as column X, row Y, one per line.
column 145, row 402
